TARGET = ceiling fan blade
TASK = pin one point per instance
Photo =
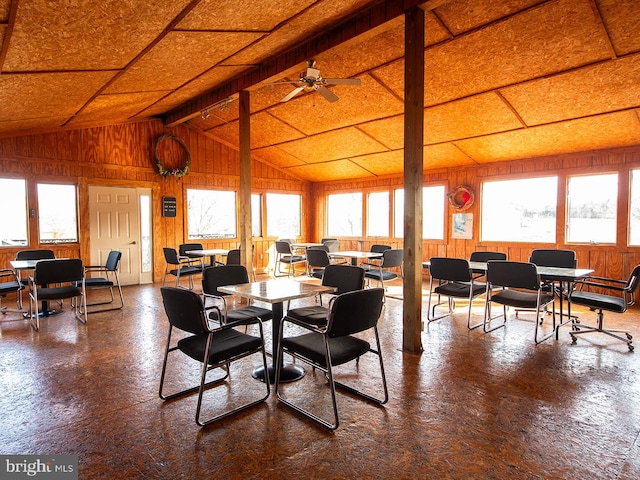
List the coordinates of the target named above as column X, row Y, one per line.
column 327, row 94
column 342, row 81
column 292, row 94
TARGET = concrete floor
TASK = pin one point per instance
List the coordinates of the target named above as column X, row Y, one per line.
column 472, row 405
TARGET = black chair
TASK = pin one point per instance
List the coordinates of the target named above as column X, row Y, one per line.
column 375, row 263
column 37, row 254
column 345, row 278
column 212, row 347
column 518, row 285
column 215, row 277
column 454, row 280
column 106, row 276
column 391, row 258
column 327, row 347
column 484, row 256
column 234, row 258
column 286, row 256
column 185, row 248
column 57, row 279
column 612, row 295
column 10, row 283
column 317, row 260
column 179, row 266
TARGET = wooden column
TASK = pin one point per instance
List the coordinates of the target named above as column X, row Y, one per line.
column 413, row 153
column 246, row 249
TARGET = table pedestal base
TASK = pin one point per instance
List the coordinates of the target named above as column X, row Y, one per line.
column 288, row 373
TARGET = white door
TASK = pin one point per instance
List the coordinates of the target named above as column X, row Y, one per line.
column 115, row 225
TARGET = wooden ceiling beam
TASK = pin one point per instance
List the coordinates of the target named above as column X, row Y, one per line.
column 373, row 17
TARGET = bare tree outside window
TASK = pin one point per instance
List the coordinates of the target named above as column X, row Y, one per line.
column 57, row 218
column 211, row 214
column 344, row 214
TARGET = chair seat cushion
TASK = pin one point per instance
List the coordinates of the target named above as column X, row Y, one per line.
column 95, row 282
column 246, row 314
column 292, row 259
column 598, row 300
column 458, row 289
column 376, row 274
column 516, row 298
column 8, row 287
column 312, row 315
column 57, row 293
column 186, row 271
column 311, row 346
column 226, row 344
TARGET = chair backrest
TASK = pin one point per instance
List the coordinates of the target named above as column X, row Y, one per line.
column 501, row 273
column 333, row 244
column 113, row 260
column 486, row 256
column 61, row 270
column 184, row 309
column 222, row 275
column 345, row 278
column 171, row 256
column 379, row 248
column 450, row 269
column 282, row 246
column 554, row 258
column 40, row 254
column 392, row 257
column 317, row 257
column 355, row 312
column 233, row 257
column 634, row 280
column 185, row 247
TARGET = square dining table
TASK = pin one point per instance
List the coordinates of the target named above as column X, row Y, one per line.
column 355, row 255
column 276, row 292
column 212, row 253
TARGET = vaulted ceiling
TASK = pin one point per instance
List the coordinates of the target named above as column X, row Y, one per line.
column 503, row 80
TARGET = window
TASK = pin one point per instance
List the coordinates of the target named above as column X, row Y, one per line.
column 57, row 219
column 432, row 212
column 13, row 218
column 256, row 215
column 592, row 202
column 519, row 210
column 634, row 208
column 344, row 215
column 211, row 214
column 378, row 214
column 283, row 215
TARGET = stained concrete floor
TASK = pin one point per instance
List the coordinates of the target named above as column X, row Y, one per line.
column 472, row 405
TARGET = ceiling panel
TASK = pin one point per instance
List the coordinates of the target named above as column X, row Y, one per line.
column 387, row 163
column 276, row 156
column 177, row 58
column 603, row 131
column 113, row 107
column 332, row 146
column 85, row 34
column 621, row 18
column 265, row 130
column 605, row 87
column 327, row 171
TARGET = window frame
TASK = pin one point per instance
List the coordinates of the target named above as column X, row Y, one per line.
column 187, row 219
column 39, row 213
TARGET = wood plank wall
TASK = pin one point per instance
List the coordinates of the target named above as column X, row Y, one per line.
column 122, row 155
column 614, row 261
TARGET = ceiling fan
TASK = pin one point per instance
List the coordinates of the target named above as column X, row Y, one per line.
column 311, row 79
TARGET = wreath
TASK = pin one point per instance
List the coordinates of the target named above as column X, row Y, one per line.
column 461, row 198
column 162, row 170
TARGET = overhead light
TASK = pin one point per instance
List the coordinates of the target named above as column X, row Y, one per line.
column 221, row 106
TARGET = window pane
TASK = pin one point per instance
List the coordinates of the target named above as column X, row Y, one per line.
column 634, row 209
column 57, row 213
column 432, row 213
column 211, row 214
column 256, row 215
column 344, row 215
column 13, row 218
column 145, row 232
column 519, row 210
column 283, row 215
column 592, row 204
column 378, row 214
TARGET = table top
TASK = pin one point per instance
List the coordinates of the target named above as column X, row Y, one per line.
column 306, row 245
column 355, row 254
column 208, row 252
column 275, row 291
column 27, row 264
column 549, row 273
